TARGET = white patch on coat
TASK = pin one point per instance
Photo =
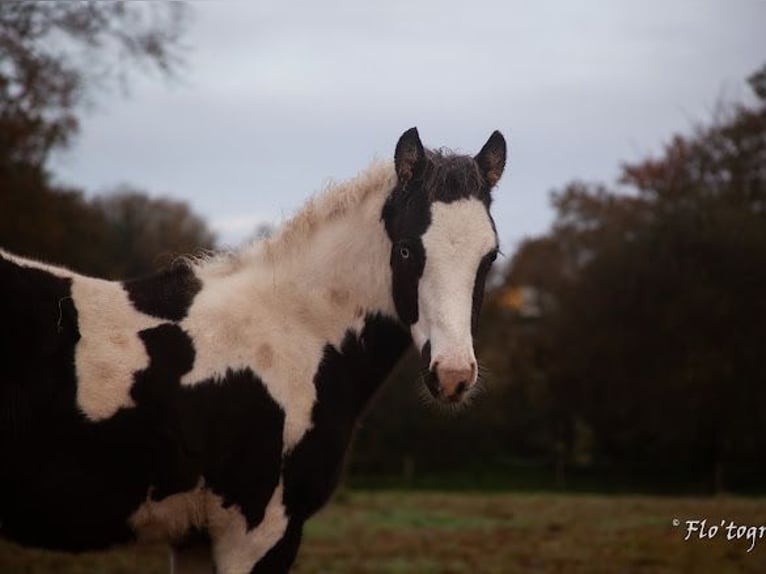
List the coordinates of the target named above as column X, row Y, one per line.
column 296, row 303
column 109, row 351
column 459, row 236
column 236, row 549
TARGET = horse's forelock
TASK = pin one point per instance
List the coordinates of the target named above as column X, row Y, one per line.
column 452, row 176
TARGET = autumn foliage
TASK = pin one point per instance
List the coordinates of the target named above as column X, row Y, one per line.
column 654, row 347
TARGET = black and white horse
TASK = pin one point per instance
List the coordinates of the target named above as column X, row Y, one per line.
column 210, row 406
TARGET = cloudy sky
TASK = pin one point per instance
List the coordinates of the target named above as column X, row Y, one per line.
column 277, row 98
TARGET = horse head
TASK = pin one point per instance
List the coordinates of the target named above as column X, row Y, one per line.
column 443, row 244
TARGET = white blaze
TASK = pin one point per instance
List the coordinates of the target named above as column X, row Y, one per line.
column 460, row 234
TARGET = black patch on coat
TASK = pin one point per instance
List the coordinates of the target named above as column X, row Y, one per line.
column 167, row 294
column 157, row 391
column 228, row 431
column 346, row 380
column 478, row 287
column 406, row 216
column 39, row 329
column 171, row 356
column 408, row 259
column 232, row 430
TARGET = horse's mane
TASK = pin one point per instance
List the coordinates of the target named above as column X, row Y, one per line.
column 333, row 202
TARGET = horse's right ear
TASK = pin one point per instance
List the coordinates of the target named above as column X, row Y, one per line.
column 409, row 155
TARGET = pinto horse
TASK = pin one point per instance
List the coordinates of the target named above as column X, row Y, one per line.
column 210, row 406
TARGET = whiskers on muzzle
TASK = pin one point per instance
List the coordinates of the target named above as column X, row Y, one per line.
column 483, row 378
column 428, row 398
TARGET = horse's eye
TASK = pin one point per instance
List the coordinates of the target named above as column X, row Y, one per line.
column 404, row 252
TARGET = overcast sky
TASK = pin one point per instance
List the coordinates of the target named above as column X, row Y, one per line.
column 278, row 97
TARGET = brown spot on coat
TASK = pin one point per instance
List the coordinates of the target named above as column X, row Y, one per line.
column 264, row 355
column 119, row 339
column 339, row 297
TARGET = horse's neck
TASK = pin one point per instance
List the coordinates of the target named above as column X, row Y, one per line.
column 336, row 274
column 344, row 267
column 333, row 286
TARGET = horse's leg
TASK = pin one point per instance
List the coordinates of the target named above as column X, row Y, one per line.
column 282, row 555
column 191, row 559
column 238, row 548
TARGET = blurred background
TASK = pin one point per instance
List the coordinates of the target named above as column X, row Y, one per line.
column 623, row 334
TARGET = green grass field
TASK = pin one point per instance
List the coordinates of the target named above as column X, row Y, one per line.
column 415, row 532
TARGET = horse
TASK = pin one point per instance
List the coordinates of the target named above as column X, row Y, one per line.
column 210, row 406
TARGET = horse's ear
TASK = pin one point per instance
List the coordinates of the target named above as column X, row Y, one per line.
column 409, row 155
column 491, row 158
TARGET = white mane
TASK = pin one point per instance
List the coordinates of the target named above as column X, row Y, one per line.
column 334, row 202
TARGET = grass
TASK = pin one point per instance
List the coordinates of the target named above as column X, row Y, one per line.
column 445, row 533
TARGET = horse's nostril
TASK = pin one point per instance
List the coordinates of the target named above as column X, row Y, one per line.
column 462, row 386
column 433, row 385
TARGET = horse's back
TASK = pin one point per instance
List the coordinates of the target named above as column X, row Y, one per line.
column 37, row 341
column 39, row 319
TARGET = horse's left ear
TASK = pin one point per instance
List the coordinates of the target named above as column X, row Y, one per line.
column 491, row 158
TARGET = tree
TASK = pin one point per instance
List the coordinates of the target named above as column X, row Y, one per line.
column 655, row 339
column 53, row 53
column 53, row 56
column 58, row 226
column 145, row 233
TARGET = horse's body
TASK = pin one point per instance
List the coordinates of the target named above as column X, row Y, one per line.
column 212, row 404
